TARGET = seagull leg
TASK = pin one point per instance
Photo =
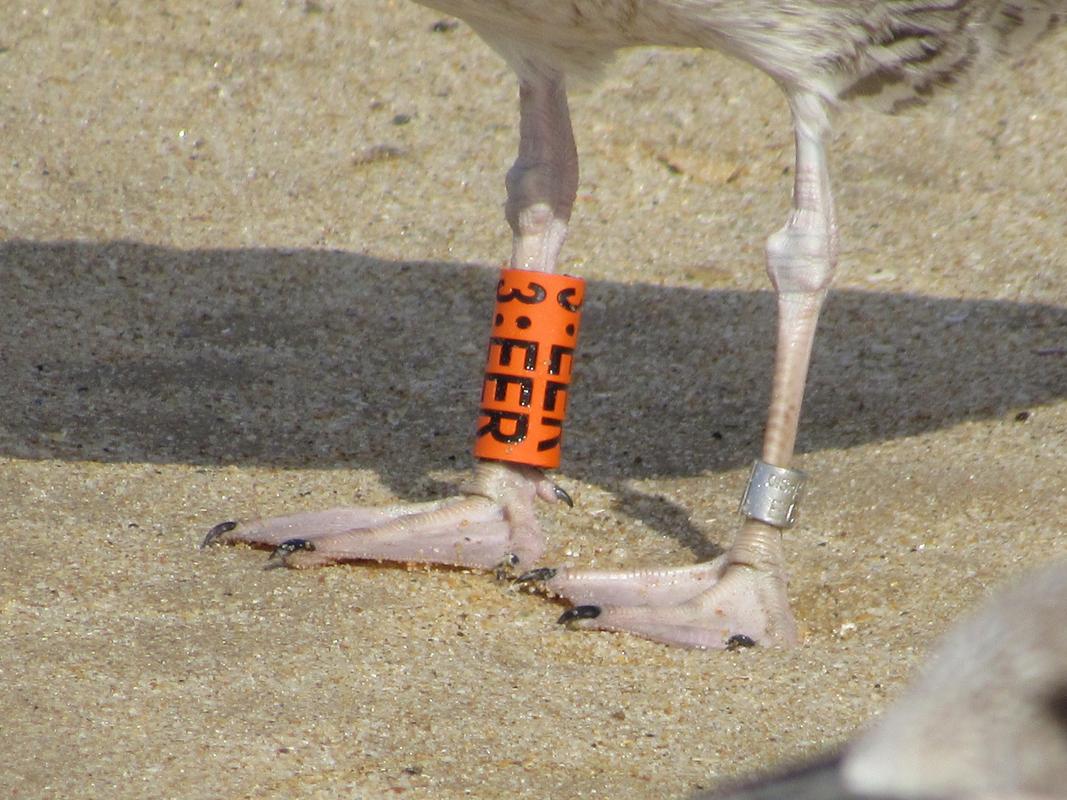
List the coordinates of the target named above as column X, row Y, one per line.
column 493, row 525
column 543, row 182
column 740, row 597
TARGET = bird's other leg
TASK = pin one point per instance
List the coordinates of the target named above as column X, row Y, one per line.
column 493, row 524
column 740, row 597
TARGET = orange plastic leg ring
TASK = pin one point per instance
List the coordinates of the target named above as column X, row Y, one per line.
column 531, row 353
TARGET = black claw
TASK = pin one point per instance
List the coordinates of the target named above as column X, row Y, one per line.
column 503, row 570
column 739, row 640
column 290, row 546
column 539, row 574
column 578, row 612
column 562, row 496
column 217, row 531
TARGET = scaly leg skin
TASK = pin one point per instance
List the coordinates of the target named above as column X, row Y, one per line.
column 494, row 525
column 739, row 599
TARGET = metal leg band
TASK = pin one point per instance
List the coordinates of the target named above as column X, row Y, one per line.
column 773, row 494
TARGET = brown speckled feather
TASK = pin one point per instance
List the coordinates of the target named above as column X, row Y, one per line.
column 892, row 54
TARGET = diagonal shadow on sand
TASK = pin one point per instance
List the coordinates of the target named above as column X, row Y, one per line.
column 128, row 352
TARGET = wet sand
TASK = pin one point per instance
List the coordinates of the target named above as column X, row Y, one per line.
column 246, row 257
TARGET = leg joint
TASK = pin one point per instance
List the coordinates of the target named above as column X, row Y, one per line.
column 802, row 256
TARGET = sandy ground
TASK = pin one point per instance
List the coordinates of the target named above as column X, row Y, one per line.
column 247, row 252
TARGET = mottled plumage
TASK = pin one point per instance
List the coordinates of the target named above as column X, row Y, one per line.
column 893, row 53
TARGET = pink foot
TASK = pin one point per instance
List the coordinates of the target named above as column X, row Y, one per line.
column 715, row 605
column 493, row 525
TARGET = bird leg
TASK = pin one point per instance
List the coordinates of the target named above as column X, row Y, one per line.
column 740, row 597
column 493, row 524
column 543, row 182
